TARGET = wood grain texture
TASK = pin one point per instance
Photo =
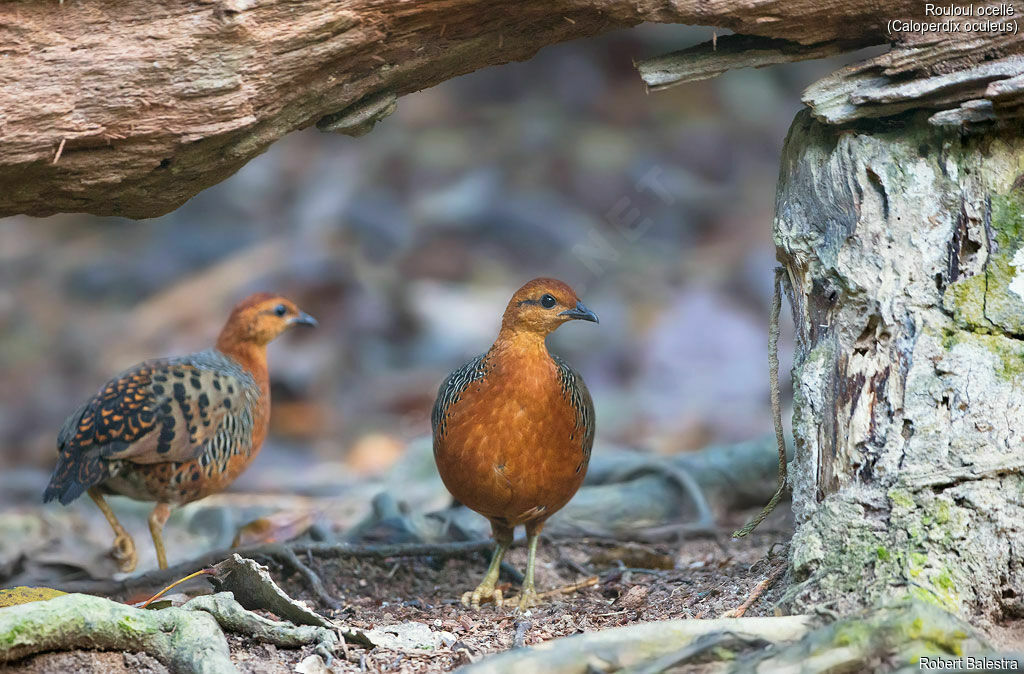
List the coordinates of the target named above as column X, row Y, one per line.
column 131, row 108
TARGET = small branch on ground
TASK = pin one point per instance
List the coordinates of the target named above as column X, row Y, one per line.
column 565, row 589
column 275, row 551
column 201, row 572
column 522, row 627
column 756, row 593
column 569, row 589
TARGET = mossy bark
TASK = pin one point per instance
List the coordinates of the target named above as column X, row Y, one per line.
column 904, row 256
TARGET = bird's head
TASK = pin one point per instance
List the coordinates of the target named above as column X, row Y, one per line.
column 261, row 318
column 542, row 305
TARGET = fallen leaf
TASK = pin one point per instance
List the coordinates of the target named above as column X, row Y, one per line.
column 410, row 636
column 23, row 595
column 280, row 527
column 633, row 598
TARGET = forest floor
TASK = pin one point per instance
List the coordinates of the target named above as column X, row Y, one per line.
column 700, row 578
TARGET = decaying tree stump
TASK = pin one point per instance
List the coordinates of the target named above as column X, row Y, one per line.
column 903, row 245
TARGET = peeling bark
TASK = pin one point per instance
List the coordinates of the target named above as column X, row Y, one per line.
column 901, row 242
column 965, row 76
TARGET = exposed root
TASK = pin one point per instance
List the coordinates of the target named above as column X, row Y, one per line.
column 278, row 552
column 625, row 648
column 312, row 579
column 230, row 615
column 897, row 635
column 187, row 639
column 724, row 641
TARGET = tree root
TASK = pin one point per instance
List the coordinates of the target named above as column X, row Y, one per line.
column 230, row 615
column 255, row 589
column 625, row 648
column 896, row 636
column 284, row 554
column 186, row 639
column 697, row 648
column 311, row 578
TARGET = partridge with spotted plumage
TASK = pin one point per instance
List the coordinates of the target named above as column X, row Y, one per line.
column 513, row 428
column 175, row 430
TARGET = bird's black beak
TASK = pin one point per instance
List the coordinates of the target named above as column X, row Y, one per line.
column 581, row 312
column 303, row 319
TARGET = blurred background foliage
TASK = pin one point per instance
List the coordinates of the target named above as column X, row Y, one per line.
column 407, row 243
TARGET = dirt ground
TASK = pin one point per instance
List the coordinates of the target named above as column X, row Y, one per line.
column 701, row 578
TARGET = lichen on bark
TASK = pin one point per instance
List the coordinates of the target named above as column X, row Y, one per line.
column 901, row 245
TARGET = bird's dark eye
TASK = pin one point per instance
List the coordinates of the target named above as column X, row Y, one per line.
column 280, row 310
column 548, row 301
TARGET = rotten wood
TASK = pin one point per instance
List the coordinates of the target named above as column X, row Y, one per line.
column 132, row 108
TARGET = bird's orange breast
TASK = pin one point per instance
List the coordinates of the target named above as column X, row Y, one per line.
column 511, row 447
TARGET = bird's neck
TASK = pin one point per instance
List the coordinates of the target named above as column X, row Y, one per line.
column 520, row 344
column 252, row 357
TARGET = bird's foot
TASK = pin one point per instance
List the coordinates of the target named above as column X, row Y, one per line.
column 124, row 553
column 526, row 600
column 483, row 593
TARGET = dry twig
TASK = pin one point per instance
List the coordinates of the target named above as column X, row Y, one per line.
column 173, row 585
column 756, row 593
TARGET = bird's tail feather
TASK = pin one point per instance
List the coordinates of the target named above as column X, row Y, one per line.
column 72, row 477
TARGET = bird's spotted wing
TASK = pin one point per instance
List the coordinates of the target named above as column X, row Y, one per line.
column 575, row 391
column 159, row 411
column 189, row 403
column 451, row 391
